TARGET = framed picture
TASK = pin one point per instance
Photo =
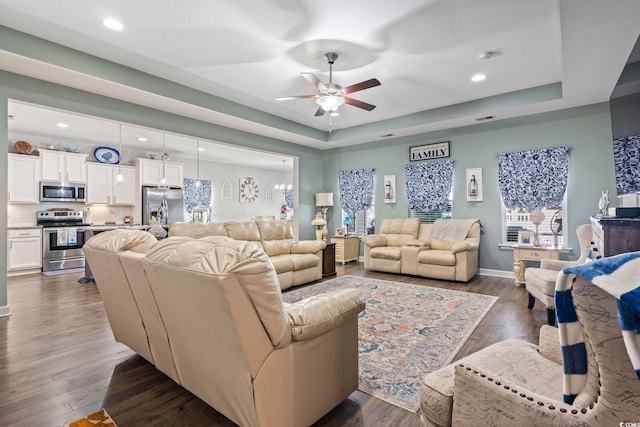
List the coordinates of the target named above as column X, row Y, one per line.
column 525, row 237
column 339, row 231
column 389, row 188
column 474, row 185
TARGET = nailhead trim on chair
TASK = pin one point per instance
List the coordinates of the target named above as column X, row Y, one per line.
column 529, row 398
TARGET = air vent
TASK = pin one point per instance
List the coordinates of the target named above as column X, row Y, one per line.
column 387, row 135
column 482, row 119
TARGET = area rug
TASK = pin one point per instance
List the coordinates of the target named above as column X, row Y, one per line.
column 99, row 418
column 405, row 332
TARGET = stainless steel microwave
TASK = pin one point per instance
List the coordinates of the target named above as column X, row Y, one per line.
column 56, row 191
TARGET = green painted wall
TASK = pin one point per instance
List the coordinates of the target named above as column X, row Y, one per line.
column 586, row 130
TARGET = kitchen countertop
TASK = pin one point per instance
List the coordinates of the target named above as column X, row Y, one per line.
column 24, row 227
column 112, row 226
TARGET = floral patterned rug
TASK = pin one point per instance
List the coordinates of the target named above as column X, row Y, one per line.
column 406, row 331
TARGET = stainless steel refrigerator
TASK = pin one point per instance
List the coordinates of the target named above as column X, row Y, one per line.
column 166, row 205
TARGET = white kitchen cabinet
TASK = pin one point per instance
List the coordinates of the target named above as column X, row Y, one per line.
column 150, row 172
column 24, row 249
column 23, row 178
column 104, row 188
column 63, row 166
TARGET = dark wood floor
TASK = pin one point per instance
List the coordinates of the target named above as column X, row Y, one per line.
column 59, row 361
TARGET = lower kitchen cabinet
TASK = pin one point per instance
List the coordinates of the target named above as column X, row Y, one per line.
column 24, row 249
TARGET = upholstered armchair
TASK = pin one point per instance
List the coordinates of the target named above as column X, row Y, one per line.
column 514, row 382
column 541, row 282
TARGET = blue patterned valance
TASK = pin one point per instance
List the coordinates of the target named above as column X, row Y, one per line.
column 193, row 196
column 429, row 185
column 288, row 198
column 626, row 156
column 534, row 179
column 356, row 189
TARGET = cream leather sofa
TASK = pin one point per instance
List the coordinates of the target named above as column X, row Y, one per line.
column 446, row 249
column 209, row 313
column 296, row 263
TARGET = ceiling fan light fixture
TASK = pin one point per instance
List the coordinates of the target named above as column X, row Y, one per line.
column 330, row 102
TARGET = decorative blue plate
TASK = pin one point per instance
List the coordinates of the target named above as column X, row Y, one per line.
column 107, row 155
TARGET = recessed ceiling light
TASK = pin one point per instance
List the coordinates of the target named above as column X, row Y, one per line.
column 200, row 149
column 479, row 77
column 62, row 125
column 113, row 24
column 142, row 139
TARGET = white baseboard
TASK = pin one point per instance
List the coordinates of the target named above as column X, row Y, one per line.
column 497, row 273
column 4, row 311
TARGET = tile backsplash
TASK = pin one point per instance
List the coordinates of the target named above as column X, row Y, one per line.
column 19, row 215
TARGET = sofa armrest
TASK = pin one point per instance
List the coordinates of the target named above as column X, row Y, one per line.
column 374, row 240
column 555, row 264
column 465, row 245
column 422, row 244
column 316, row 315
column 308, row 247
column 484, row 399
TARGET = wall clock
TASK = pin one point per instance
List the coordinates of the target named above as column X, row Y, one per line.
column 248, row 190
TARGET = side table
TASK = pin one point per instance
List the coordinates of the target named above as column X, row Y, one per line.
column 522, row 253
column 329, row 260
column 347, row 248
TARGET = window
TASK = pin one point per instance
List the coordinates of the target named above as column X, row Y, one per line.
column 429, row 217
column 363, row 221
column 515, row 220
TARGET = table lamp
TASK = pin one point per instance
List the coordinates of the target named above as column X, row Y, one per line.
column 347, row 223
column 324, row 200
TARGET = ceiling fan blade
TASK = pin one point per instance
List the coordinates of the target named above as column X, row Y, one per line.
column 319, row 112
column 359, row 104
column 362, row 86
column 287, row 98
column 315, row 81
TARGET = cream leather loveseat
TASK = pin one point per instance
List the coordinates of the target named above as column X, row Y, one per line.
column 296, row 263
column 446, row 249
column 209, row 313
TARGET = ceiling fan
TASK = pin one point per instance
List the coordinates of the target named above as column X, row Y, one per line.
column 332, row 96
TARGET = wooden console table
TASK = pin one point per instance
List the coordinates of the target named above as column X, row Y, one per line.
column 329, row 260
column 522, row 253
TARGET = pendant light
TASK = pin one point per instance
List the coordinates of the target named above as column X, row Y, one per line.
column 198, row 182
column 163, row 181
column 283, row 187
column 120, row 177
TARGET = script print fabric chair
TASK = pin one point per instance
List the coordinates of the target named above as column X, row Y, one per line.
column 516, row 383
column 541, row 282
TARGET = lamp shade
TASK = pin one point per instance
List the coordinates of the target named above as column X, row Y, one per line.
column 324, row 199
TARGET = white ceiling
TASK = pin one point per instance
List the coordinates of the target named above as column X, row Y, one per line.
column 424, row 53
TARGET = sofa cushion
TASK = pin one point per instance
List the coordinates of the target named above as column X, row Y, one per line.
column 408, row 226
column 386, row 252
column 304, row 261
column 277, row 247
column 197, row 230
column 437, row 257
column 243, row 230
column 399, row 239
column 282, row 264
column 439, row 245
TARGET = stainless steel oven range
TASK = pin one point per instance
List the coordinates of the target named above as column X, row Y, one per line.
column 63, row 234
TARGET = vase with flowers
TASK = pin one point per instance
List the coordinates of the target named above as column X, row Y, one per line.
column 319, row 222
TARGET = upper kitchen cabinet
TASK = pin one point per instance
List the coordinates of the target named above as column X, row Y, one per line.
column 23, row 179
column 104, row 188
column 63, row 166
column 150, row 172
